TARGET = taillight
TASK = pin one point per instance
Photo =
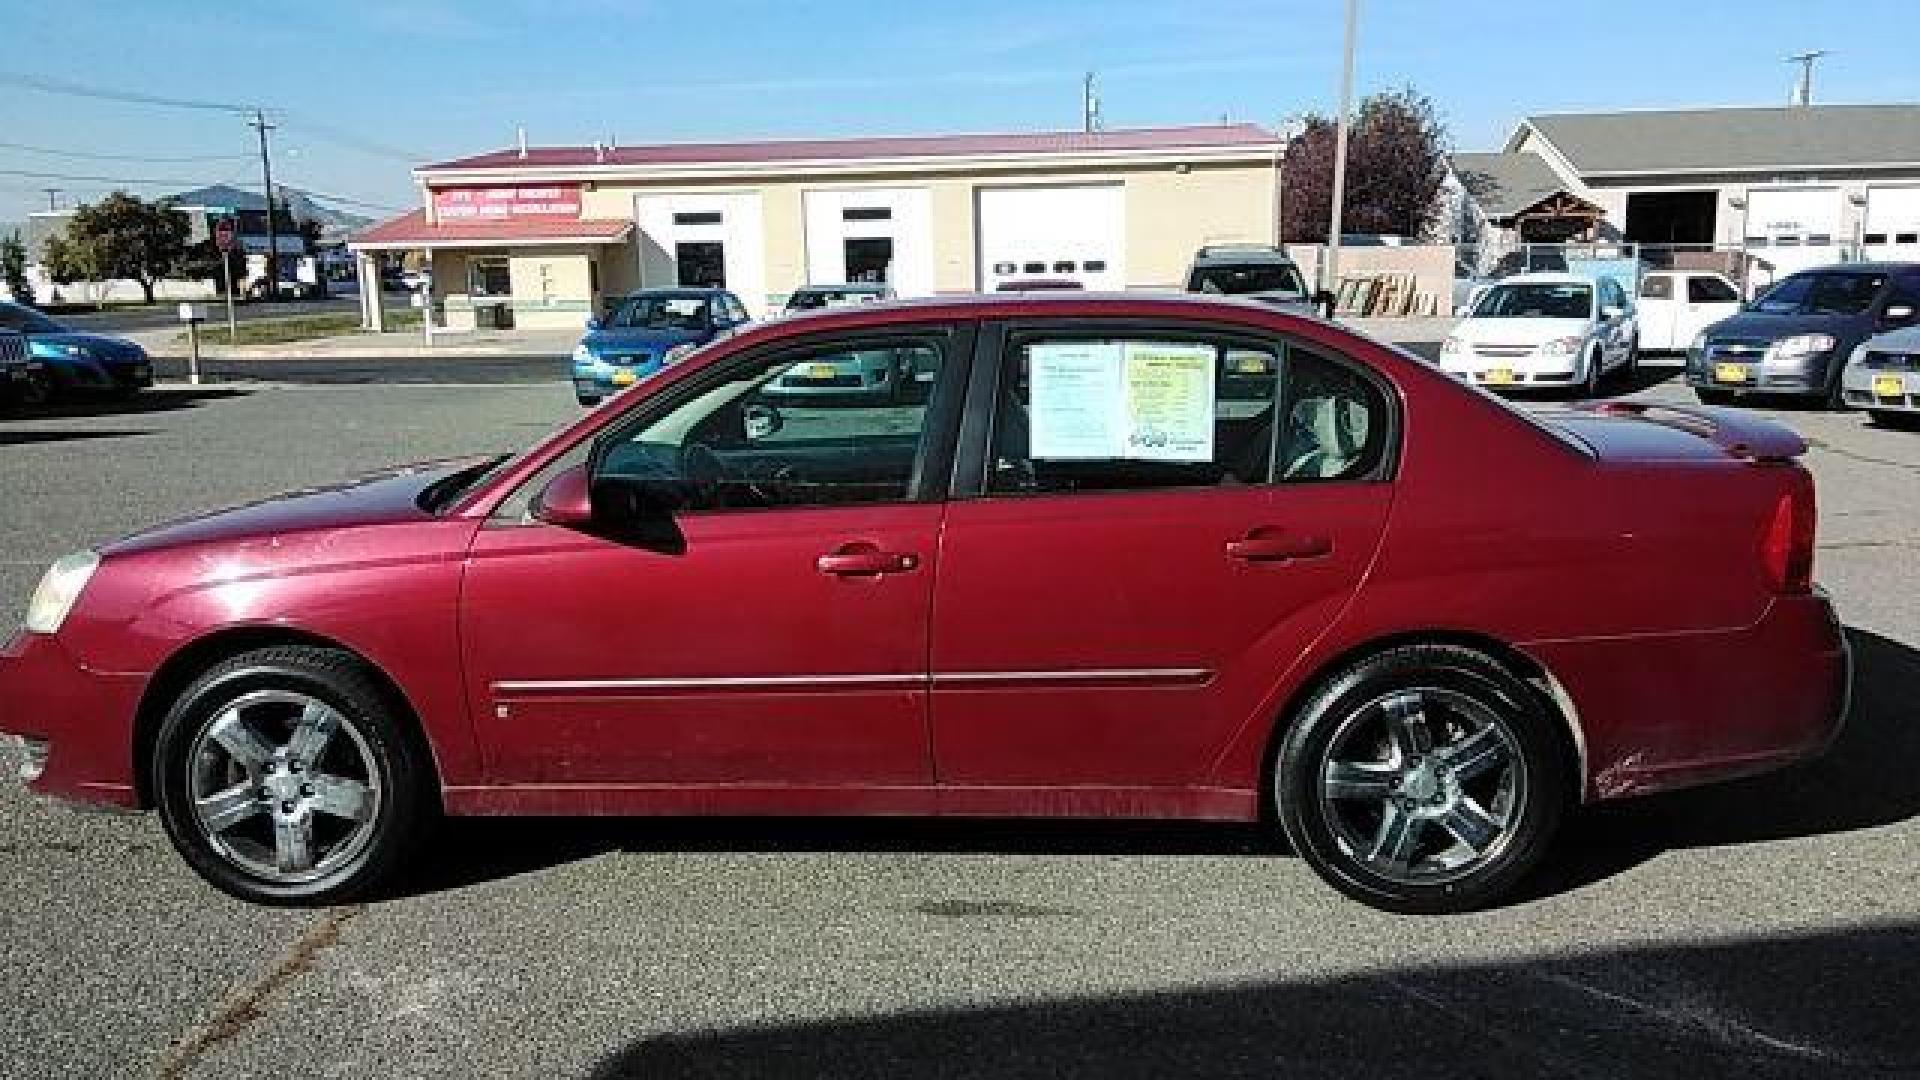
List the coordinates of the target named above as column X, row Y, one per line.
column 1787, row 550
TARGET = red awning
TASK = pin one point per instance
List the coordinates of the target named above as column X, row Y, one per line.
column 412, row 231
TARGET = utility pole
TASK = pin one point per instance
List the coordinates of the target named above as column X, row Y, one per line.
column 1340, row 150
column 1089, row 106
column 1804, row 95
column 259, row 124
column 53, row 198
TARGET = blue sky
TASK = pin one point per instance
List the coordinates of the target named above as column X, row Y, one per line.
column 366, row 87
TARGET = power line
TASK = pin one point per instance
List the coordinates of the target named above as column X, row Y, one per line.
column 33, row 174
column 130, row 97
column 344, row 137
column 142, row 158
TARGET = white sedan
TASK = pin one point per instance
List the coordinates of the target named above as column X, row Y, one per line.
column 1545, row 330
column 1883, row 376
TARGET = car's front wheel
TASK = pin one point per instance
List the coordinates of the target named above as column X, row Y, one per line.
column 287, row 776
column 1426, row 779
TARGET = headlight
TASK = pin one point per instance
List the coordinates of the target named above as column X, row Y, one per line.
column 1699, row 343
column 74, row 350
column 1858, row 357
column 674, row 354
column 582, row 354
column 58, row 590
column 1803, row 345
column 1565, row 346
column 1452, row 346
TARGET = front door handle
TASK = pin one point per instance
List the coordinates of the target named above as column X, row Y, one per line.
column 865, row 560
column 1274, row 545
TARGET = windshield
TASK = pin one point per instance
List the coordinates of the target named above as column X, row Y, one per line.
column 27, row 321
column 810, row 299
column 1822, row 294
column 1536, row 300
column 665, row 313
column 1248, row 278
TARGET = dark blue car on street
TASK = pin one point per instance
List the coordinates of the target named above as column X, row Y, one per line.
column 69, row 362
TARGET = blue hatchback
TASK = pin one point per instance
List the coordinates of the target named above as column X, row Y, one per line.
column 71, row 361
column 645, row 331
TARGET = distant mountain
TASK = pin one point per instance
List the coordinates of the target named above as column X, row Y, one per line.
column 303, row 206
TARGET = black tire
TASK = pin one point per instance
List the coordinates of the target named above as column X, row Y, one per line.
column 586, row 402
column 371, row 727
column 1533, row 775
column 1890, row 418
column 1836, row 395
column 1630, row 371
column 38, row 392
column 1596, row 370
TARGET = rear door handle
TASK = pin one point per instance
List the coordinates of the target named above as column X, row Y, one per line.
column 865, row 560
column 1273, row 545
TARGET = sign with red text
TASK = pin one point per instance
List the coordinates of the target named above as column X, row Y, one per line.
column 518, row 203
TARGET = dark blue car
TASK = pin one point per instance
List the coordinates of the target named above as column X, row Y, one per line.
column 645, row 331
column 71, row 362
column 1795, row 337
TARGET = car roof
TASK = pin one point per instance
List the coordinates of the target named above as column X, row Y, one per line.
column 851, row 286
column 1251, row 253
column 676, row 291
column 1546, row 279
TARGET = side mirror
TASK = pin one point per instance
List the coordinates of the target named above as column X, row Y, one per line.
column 760, row 420
column 565, row 501
column 1612, row 311
column 594, row 323
column 1897, row 314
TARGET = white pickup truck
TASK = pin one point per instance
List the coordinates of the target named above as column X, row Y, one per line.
column 1675, row 305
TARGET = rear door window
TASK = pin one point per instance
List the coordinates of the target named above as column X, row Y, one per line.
column 1710, row 290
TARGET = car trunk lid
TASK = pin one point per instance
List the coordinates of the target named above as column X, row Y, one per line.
column 1649, row 431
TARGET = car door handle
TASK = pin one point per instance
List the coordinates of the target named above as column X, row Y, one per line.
column 865, row 560
column 1272, row 545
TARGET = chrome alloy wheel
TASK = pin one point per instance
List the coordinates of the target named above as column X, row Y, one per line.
column 1422, row 786
column 284, row 786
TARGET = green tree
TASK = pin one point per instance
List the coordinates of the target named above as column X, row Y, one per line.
column 13, row 269
column 121, row 236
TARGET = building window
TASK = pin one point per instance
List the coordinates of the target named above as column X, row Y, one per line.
column 489, row 277
column 869, row 258
column 1065, row 266
column 698, row 217
column 867, row 213
column 1874, row 238
column 701, row 265
column 1034, row 268
column 1003, row 269
column 1907, row 238
column 1094, row 266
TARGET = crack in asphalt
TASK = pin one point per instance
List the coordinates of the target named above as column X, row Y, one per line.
column 1869, row 459
column 248, row 1004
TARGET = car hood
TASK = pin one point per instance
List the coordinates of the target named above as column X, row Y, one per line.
column 1518, row 331
column 387, row 497
column 1771, row 326
column 1289, row 301
column 99, row 345
column 639, row 338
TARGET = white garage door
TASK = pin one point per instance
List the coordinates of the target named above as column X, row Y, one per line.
column 1892, row 227
column 703, row 240
column 1076, row 232
column 870, row 235
column 1795, row 228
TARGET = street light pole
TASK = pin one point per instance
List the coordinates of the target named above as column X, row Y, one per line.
column 1340, row 150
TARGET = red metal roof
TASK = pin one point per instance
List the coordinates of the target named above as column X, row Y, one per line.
column 412, row 230
column 1043, row 142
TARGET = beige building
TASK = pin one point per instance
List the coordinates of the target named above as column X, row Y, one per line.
column 541, row 236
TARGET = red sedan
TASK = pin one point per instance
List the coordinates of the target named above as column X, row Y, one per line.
column 1121, row 557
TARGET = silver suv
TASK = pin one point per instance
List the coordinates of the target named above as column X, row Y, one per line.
column 1257, row 272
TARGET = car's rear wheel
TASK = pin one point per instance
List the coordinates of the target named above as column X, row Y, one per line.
column 288, row 776
column 1426, row 779
column 1890, row 418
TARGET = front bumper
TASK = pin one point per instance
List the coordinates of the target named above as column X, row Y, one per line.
column 1881, row 389
column 81, row 719
column 598, row 379
column 1497, row 371
column 1760, row 375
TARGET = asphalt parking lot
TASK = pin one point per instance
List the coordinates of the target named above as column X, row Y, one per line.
column 1766, row 928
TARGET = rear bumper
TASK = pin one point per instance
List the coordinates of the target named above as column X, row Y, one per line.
column 83, row 718
column 1672, row 711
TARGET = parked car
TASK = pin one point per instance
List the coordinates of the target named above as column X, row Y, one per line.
column 1075, row 582
column 1044, row 284
column 1883, row 377
column 1675, row 305
column 1794, row 338
column 1545, row 330
column 648, row 331
column 1255, row 271
column 72, row 362
column 886, row 373
column 813, row 297
column 285, row 289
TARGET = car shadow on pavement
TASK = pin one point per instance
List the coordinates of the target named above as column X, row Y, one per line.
column 27, row 438
column 1615, row 386
column 1831, row 1003
column 1866, row 779
column 168, row 399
